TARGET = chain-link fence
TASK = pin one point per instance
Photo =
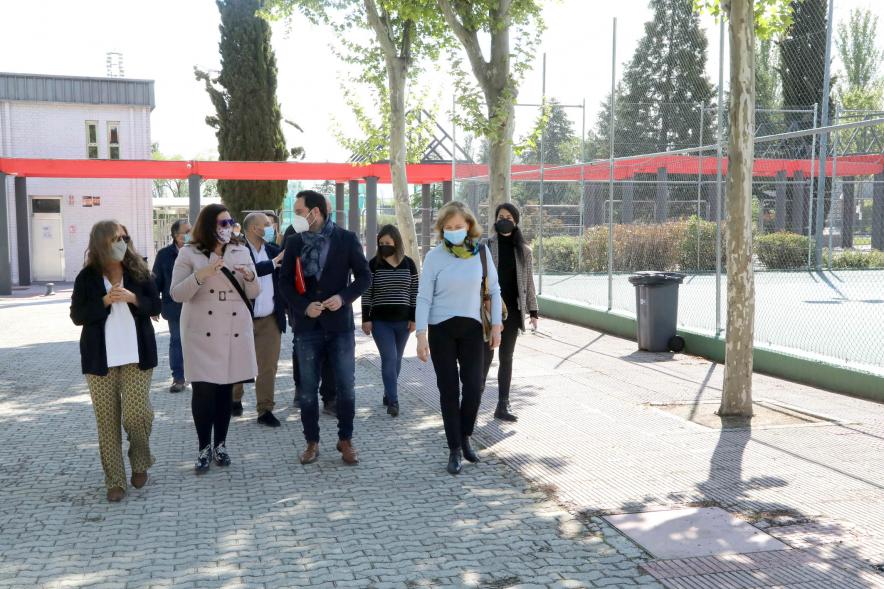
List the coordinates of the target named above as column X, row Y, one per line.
column 660, row 203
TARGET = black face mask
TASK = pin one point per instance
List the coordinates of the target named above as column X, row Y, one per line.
column 387, row 251
column 504, row 226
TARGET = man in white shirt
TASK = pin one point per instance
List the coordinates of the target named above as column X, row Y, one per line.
column 269, row 321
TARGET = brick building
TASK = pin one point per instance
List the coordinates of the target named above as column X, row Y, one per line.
column 61, row 117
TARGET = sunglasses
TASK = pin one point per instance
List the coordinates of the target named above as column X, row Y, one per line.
column 226, row 222
column 125, row 238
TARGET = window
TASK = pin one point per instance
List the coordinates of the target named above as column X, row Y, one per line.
column 113, row 140
column 92, row 140
column 46, row 205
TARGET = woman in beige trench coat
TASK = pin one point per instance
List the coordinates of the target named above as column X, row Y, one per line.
column 216, row 326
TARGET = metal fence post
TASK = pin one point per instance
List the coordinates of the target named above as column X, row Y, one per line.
column 824, row 138
column 542, row 134
column 718, row 174
column 809, row 207
column 582, row 161
column 611, row 169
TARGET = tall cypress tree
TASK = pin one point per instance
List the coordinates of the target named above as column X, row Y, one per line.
column 664, row 84
column 802, row 60
column 247, row 115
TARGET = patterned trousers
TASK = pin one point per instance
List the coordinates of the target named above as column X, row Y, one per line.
column 122, row 395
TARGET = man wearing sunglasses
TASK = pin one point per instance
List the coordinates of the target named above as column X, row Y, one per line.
column 162, row 273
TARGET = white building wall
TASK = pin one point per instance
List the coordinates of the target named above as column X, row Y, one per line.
column 58, row 131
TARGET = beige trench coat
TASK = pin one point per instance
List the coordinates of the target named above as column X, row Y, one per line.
column 216, row 328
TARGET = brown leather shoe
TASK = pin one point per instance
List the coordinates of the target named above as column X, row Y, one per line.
column 348, row 452
column 115, row 495
column 139, row 479
column 310, row 455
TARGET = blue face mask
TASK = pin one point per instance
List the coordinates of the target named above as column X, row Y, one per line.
column 269, row 234
column 187, row 237
column 456, row 237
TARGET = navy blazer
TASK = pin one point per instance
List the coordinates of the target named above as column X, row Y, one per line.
column 88, row 311
column 263, row 269
column 162, row 276
column 345, row 257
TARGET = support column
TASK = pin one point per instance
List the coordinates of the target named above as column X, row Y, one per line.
column 371, row 215
column 627, row 211
column 340, row 220
column 5, row 264
column 21, row 231
column 594, row 203
column 473, row 198
column 353, row 216
column 193, row 185
column 447, row 190
column 878, row 213
column 798, row 218
column 848, row 211
column 780, row 206
column 426, row 217
column 706, row 206
column 661, row 210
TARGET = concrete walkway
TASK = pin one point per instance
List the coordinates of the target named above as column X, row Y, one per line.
column 603, row 430
column 396, row 520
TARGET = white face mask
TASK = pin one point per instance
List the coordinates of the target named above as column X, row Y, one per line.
column 118, row 250
column 224, row 234
column 300, row 224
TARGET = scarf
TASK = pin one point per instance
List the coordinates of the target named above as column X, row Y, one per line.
column 466, row 250
column 311, row 251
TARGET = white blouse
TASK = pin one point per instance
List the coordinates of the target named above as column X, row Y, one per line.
column 120, row 337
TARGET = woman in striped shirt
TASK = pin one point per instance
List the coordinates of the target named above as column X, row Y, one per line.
column 388, row 308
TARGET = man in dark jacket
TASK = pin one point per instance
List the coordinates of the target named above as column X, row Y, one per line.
column 322, row 315
column 268, row 319
column 162, row 272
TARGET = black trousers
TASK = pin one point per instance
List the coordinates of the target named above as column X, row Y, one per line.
column 507, row 346
column 210, row 405
column 456, row 347
column 327, row 387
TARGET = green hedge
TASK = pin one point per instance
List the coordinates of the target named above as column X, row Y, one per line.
column 782, row 250
column 858, row 259
column 666, row 246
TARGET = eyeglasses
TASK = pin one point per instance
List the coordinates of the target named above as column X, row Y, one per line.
column 125, row 238
column 227, row 222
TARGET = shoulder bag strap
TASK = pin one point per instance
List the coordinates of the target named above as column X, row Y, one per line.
column 239, row 289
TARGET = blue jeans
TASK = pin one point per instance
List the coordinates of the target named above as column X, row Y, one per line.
column 339, row 350
column 390, row 338
column 176, row 357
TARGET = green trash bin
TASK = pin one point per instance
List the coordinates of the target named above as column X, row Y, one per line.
column 656, row 310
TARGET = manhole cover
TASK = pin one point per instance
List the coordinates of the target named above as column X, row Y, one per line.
column 690, row 533
column 765, row 414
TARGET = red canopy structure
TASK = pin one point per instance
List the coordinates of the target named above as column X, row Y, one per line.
column 624, row 169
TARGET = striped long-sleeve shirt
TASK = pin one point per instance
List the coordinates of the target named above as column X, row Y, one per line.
column 393, row 292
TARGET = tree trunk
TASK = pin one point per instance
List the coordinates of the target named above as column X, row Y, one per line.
column 397, row 75
column 500, row 159
column 737, row 393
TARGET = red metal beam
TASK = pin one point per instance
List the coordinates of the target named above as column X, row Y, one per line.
column 861, row 165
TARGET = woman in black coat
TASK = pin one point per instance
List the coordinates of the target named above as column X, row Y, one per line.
column 113, row 300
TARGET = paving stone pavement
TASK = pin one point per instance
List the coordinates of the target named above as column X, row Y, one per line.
column 590, row 432
column 396, row 520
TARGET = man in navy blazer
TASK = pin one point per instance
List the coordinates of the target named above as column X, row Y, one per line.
column 335, row 274
column 162, row 274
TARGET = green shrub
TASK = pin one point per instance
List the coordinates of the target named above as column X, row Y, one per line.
column 636, row 247
column 696, row 230
column 782, row 250
column 559, row 254
column 858, row 259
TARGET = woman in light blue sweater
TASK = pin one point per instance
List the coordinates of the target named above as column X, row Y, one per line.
column 449, row 323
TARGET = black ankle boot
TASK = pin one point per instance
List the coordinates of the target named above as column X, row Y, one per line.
column 503, row 412
column 468, row 452
column 454, row 462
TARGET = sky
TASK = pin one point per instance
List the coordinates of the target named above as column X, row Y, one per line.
column 165, row 42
